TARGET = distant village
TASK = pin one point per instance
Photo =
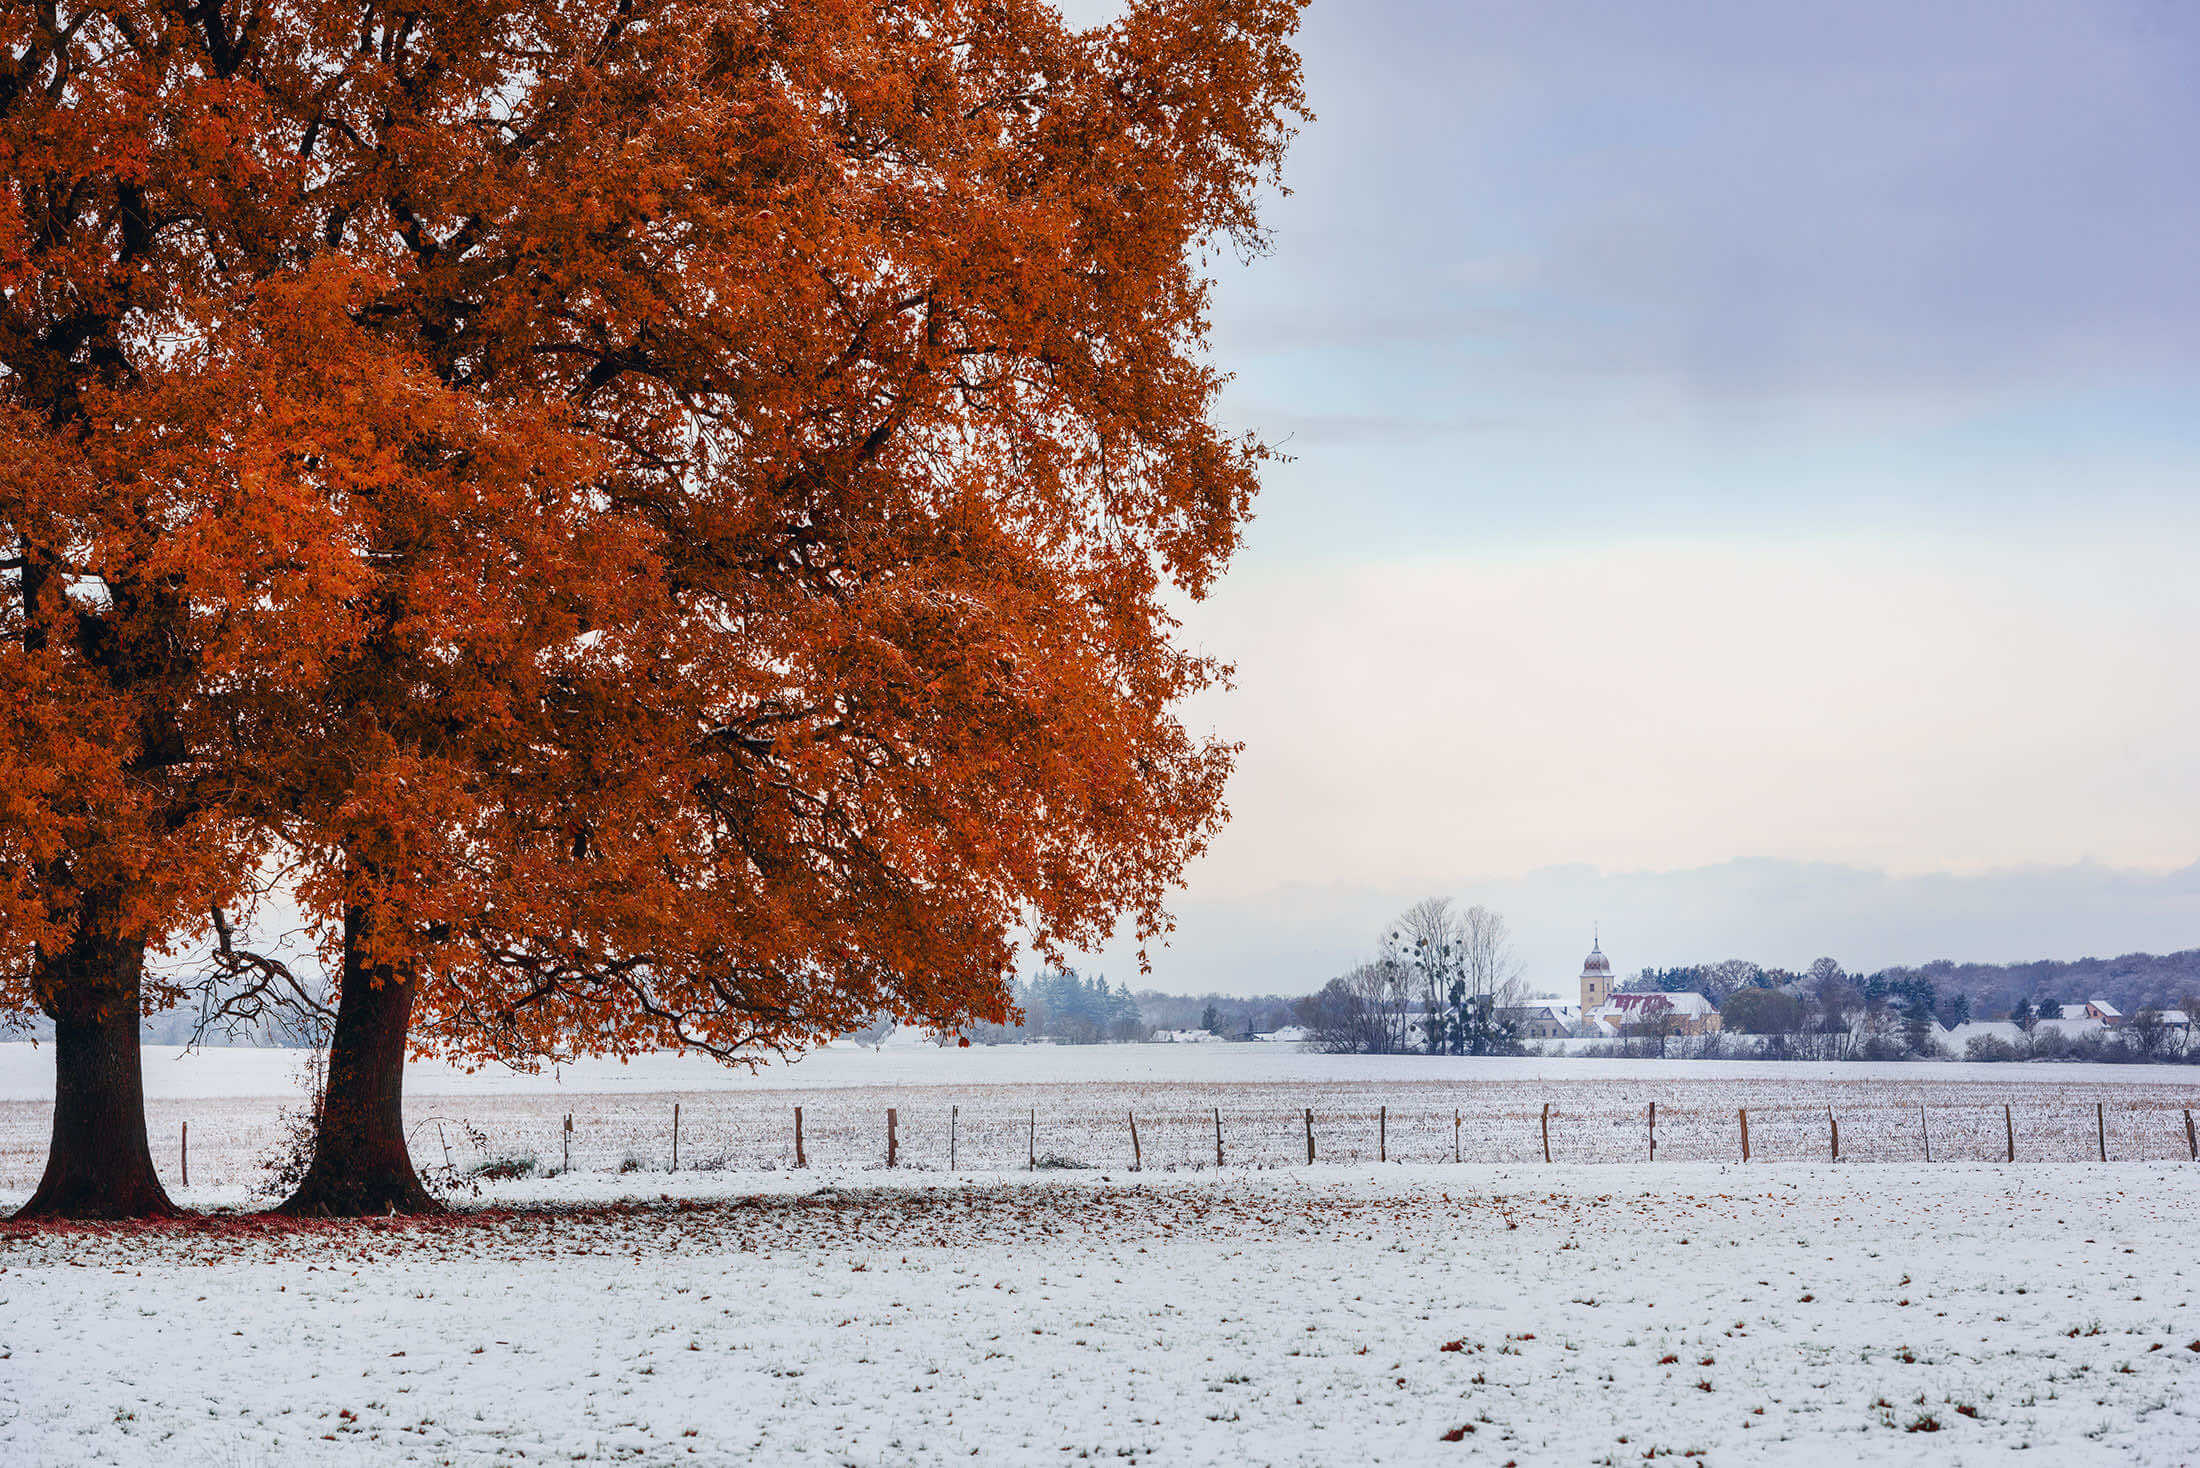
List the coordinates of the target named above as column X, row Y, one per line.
column 1603, row 1015
column 1444, row 995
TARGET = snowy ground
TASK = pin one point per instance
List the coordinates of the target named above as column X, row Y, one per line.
column 1600, row 1309
column 1964, row 1313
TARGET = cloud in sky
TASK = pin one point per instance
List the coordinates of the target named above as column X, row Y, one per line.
column 1728, row 438
column 1717, row 262
column 1916, row 707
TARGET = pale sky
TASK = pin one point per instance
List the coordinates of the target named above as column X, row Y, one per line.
column 1744, row 494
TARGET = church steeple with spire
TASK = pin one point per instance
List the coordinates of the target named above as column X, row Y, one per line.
column 1596, row 976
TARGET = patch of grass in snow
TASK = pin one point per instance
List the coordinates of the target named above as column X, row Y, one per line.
column 717, row 1162
column 506, row 1168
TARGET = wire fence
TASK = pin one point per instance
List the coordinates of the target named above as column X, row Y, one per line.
column 1002, row 1129
column 950, row 1136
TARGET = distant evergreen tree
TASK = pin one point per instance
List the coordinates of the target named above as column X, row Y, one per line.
column 1062, row 1004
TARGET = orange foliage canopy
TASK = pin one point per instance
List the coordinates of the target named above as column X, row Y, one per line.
column 665, row 509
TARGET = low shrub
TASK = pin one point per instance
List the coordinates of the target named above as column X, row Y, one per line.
column 504, row 1169
column 1054, row 1162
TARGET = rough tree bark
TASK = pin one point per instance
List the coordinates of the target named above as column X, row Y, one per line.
column 360, row 1162
column 100, row 1165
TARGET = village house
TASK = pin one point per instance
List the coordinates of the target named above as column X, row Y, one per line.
column 1544, row 1018
column 1636, row 1014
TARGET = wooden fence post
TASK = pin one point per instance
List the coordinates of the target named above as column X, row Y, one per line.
column 1653, row 1131
column 801, row 1159
column 675, row 1136
column 954, row 1116
column 1546, row 1131
column 2009, row 1129
column 567, row 1138
column 1455, row 1121
column 1382, row 1134
column 1136, row 1159
column 1031, row 1143
column 2192, row 1141
column 187, row 1154
column 1833, row 1129
column 1745, row 1133
column 893, row 1142
column 1925, row 1131
column 1218, row 1136
column 2100, row 1127
column 1310, row 1136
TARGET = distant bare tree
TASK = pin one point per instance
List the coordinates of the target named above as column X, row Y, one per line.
column 1359, row 1013
column 1491, row 969
column 2148, row 1033
column 1876, row 1032
column 1488, row 1007
column 1393, row 982
column 1655, row 1019
column 1727, row 976
column 1428, row 940
column 1836, row 1010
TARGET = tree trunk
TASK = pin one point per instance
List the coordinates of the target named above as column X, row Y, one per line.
column 360, row 1162
column 99, row 1165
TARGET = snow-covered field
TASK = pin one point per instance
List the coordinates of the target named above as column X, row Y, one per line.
column 1494, row 1310
column 993, row 1108
column 1966, row 1313
column 26, row 1070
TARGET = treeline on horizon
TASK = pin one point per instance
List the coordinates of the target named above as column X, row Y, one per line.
column 1066, row 1006
column 1965, row 991
column 1069, row 1008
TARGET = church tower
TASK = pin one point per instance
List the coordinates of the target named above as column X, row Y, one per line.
column 1596, row 978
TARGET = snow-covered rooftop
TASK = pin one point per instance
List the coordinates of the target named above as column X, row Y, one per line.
column 1689, row 1003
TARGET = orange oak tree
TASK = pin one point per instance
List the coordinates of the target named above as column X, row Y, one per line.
column 144, row 604
column 729, row 462
column 413, row 759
